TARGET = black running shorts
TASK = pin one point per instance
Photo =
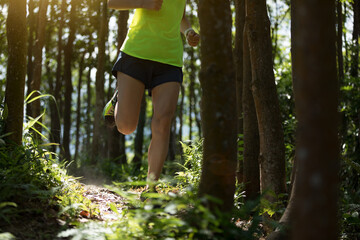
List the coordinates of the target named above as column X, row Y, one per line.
column 149, row 72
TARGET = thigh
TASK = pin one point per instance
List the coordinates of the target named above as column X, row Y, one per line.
column 165, row 98
column 130, row 93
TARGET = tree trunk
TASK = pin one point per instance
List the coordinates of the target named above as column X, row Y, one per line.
column 54, row 107
column 316, row 100
column 99, row 84
column 88, row 109
column 78, row 108
column 191, row 91
column 180, row 114
column 339, row 42
column 139, row 137
column 251, row 172
column 354, row 70
column 272, row 150
column 172, row 145
column 16, row 69
column 30, row 68
column 37, row 64
column 217, row 79
column 238, row 59
column 68, row 58
column 117, row 139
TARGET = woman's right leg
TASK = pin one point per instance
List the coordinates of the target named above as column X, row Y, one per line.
column 127, row 109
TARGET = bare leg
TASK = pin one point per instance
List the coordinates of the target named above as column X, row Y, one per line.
column 127, row 109
column 164, row 99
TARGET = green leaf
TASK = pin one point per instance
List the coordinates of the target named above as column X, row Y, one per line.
column 113, row 208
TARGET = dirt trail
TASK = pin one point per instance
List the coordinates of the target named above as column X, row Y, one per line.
column 102, row 197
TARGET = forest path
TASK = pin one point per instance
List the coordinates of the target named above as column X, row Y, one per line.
column 102, row 198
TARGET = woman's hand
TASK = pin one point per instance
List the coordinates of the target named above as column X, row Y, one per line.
column 152, row 4
column 192, row 38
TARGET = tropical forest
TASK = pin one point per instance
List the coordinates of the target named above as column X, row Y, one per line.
column 254, row 133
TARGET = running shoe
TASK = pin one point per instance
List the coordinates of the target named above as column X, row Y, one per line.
column 109, row 110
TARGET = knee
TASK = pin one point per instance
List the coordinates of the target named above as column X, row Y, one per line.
column 126, row 128
column 161, row 124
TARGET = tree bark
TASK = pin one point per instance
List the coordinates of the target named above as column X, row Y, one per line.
column 54, row 106
column 139, row 137
column 316, row 100
column 251, row 172
column 217, row 79
column 354, row 70
column 30, row 46
column 16, row 69
column 37, row 64
column 117, row 139
column 68, row 58
column 272, row 149
column 339, row 42
column 100, row 81
column 78, row 108
column 238, row 60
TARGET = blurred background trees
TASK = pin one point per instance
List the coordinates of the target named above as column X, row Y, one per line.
column 71, row 46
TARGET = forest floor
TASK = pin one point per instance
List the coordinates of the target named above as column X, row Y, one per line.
column 41, row 221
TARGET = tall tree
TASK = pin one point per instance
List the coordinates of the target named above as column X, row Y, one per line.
column 251, row 174
column 139, row 137
column 339, row 42
column 16, row 69
column 78, row 106
column 354, row 71
column 68, row 58
column 238, row 59
column 31, row 34
column 56, row 89
column 217, row 79
column 38, row 57
column 316, row 96
column 100, row 80
column 117, row 139
column 272, row 149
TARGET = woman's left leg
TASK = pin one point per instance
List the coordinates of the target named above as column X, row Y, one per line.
column 164, row 97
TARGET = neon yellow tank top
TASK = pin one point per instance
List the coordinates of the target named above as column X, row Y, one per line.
column 155, row 35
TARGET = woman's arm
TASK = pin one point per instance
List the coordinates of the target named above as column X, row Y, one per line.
column 191, row 36
column 131, row 4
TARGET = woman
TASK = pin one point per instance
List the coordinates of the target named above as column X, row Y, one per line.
column 150, row 58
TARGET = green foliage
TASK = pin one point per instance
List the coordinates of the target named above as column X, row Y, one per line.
column 192, row 166
column 32, row 177
column 170, row 216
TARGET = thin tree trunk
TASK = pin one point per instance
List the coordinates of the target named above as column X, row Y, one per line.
column 251, row 172
column 217, row 79
column 339, row 42
column 68, row 58
column 180, row 116
column 117, row 139
column 272, row 149
column 16, row 32
column 191, row 91
column 346, row 62
column 172, row 146
column 354, row 70
column 30, row 68
column 139, row 137
column 238, row 59
column 88, row 109
column 78, row 108
column 55, row 111
column 316, row 100
column 100, row 81
column 37, row 64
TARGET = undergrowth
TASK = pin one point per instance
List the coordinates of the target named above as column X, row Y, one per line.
column 34, row 184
